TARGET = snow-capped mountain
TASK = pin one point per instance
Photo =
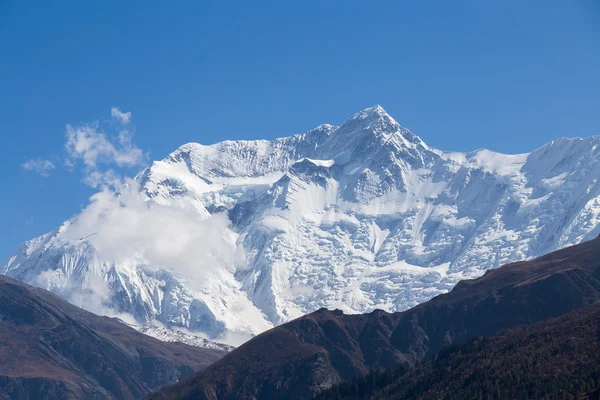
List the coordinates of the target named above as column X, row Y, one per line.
column 356, row 217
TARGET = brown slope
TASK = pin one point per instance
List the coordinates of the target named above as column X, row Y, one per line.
column 50, row 349
column 553, row 359
column 305, row 356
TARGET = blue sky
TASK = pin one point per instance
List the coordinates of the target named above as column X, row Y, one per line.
column 463, row 75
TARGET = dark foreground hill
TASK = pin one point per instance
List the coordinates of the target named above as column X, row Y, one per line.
column 553, row 359
column 311, row 354
column 50, row 349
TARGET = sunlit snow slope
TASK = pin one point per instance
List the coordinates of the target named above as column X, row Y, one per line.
column 355, row 217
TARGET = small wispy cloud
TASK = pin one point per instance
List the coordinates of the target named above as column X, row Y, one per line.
column 88, row 144
column 97, row 178
column 99, row 151
column 39, row 166
column 123, row 117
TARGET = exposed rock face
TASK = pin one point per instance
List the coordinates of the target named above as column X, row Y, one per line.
column 50, row 349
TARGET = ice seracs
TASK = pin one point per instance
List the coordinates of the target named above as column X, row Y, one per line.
column 355, row 217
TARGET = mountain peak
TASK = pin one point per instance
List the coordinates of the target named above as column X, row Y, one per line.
column 375, row 112
column 375, row 121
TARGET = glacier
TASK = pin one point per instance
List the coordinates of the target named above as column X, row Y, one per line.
column 359, row 216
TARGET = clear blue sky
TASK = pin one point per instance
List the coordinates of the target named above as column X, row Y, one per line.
column 463, row 75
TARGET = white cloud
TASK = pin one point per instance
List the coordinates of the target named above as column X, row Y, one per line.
column 92, row 146
column 124, row 227
column 122, row 117
column 128, row 231
column 42, row 167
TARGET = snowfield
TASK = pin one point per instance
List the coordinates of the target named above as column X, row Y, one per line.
column 231, row 239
